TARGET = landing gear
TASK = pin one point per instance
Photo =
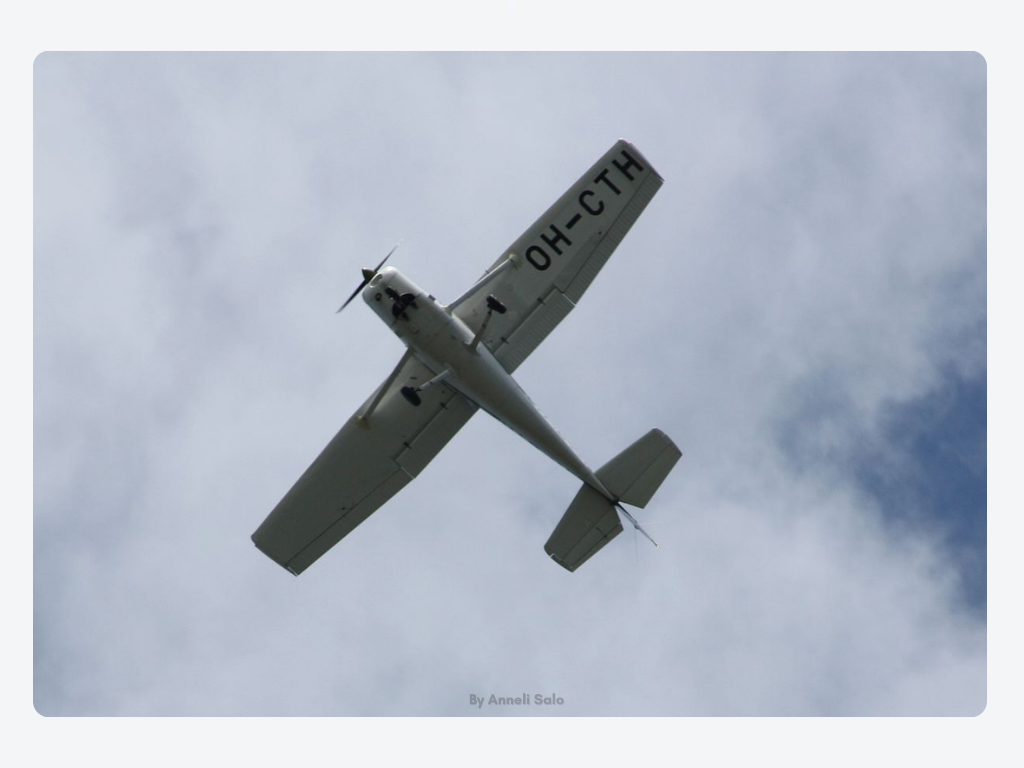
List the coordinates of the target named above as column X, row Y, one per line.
column 412, row 394
column 493, row 305
column 401, row 302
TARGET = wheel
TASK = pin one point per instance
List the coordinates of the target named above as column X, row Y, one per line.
column 411, row 395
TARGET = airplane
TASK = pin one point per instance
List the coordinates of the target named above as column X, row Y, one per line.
column 460, row 358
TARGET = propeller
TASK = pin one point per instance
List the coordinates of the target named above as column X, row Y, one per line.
column 636, row 525
column 368, row 275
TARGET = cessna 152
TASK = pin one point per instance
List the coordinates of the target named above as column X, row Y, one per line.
column 461, row 357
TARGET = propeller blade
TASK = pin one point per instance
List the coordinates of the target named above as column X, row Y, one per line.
column 636, row 525
column 367, row 277
column 354, row 294
column 377, row 268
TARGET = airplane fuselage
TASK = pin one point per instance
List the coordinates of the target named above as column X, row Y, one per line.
column 445, row 345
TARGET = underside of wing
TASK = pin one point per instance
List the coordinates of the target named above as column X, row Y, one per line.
column 363, row 466
column 542, row 275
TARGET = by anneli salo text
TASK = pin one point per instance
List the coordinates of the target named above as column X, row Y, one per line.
column 555, row 238
column 521, row 700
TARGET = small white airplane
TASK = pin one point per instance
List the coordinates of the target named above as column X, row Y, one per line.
column 460, row 358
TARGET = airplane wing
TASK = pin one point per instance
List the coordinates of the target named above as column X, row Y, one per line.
column 362, row 467
column 542, row 275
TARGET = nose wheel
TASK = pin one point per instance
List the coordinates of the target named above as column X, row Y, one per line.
column 402, row 301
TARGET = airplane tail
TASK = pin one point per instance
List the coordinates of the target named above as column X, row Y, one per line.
column 591, row 520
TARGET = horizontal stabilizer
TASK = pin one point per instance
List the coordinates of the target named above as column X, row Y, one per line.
column 590, row 522
column 636, row 473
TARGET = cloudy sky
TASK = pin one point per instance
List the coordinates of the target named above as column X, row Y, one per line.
column 802, row 308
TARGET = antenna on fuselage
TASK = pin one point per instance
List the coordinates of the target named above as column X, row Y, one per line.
column 368, row 275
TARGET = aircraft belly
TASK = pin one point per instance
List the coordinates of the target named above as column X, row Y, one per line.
column 479, row 376
column 443, row 341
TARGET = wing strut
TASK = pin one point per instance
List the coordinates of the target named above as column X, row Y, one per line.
column 513, row 260
column 364, row 418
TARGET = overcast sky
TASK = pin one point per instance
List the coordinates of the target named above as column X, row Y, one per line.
column 802, row 308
